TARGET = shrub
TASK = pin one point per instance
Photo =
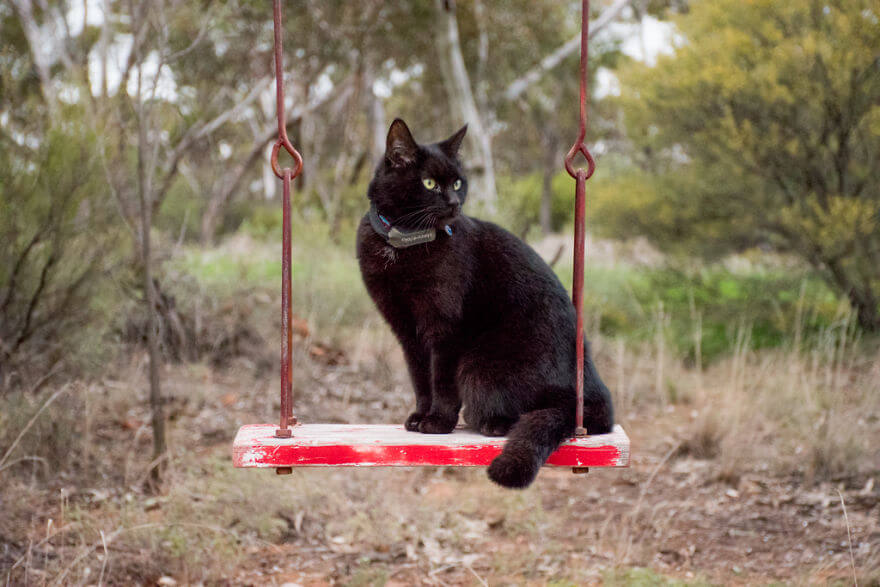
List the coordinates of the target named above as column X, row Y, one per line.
column 57, row 244
column 520, row 200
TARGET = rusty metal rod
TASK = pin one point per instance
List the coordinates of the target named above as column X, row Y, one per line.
column 578, row 295
column 580, row 176
column 287, row 175
column 286, row 317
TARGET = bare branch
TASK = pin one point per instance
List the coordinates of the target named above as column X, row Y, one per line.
column 223, row 117
column 197, row 132
column 233, row 180
column 140, row 34
column 522, row 83
column 17, row 269
column 25, row 329
column 203, row 30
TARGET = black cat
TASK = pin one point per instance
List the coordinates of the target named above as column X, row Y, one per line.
column 482, row 319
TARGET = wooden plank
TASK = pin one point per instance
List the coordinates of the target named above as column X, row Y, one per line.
column 381, row 445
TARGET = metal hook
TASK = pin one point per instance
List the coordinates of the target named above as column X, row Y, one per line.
column 297, row 158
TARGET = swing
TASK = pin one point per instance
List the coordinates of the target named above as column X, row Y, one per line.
column 292, row 444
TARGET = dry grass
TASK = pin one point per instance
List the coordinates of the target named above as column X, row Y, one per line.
column 812, row 411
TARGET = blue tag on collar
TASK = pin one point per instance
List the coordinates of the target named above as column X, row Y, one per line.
column 448, row 230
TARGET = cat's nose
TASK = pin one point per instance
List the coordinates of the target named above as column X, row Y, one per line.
column 453, row 200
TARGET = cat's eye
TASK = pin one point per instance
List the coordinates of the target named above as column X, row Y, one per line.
column 457, row 185
column 429, row 183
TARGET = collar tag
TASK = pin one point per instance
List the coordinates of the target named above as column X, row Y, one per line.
column 396, row 237
column 400, row 239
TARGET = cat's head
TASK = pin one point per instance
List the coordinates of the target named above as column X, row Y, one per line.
column 419, row 186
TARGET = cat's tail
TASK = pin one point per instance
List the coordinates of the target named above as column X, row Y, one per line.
column 530, row 443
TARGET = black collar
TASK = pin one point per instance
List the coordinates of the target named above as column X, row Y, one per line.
column 401, row 238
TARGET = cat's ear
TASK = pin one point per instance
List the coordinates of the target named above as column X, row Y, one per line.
column 451, row 145
column 400, row 147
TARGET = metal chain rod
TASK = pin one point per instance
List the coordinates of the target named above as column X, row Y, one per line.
column 287, row 175
column 581, row 176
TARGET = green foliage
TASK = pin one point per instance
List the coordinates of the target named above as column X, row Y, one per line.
column 641, row 577
column 223, row 270
column 761, row 129
column 263, row 222
column 327, row 286
column 521, row 198
column 181, row 211
column 57, row 235
column 775, row 306
column 767, row 304
column 629, row 201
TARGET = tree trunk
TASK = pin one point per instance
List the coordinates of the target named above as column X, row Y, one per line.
column 157, row 411
column 482, row 83
column 144, row 187
column 550, row 163
column 463, row 105
column 375, row 109
column 211, row 217
column 103, row 51
column 869, row 319
column 32, row 34
column 862, row 300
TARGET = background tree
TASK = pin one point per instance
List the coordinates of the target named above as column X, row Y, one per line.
column 762, row 128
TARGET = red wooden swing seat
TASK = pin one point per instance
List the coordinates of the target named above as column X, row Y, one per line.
column 381, row 445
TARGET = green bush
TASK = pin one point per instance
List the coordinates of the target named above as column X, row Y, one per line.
column 770, row 305
column 520, row 201
column 59, row 241
column 50, row 432
column 766, row 304
column 263, row 221
column 181, row 212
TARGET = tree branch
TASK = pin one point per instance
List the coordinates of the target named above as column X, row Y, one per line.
column 197, row 132
column 522, row 83
column 10, row 292
column 24, row 332
column 233, row 180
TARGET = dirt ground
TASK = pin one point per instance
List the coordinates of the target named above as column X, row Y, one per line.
column 670, row 517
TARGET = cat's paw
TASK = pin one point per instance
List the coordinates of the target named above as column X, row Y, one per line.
column 436, row 424
column 412, row 423
column 495, row 427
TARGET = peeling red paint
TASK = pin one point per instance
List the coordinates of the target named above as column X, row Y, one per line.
column 256, row 446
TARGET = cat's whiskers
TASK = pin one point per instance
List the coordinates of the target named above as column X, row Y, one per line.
column 429, row 220
column 423, row 217
column 409, row 216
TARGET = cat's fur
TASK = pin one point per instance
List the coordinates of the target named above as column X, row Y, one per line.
column 482, row 319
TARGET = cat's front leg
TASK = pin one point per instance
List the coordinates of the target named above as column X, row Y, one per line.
column 445, row 400
column 418, row 362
